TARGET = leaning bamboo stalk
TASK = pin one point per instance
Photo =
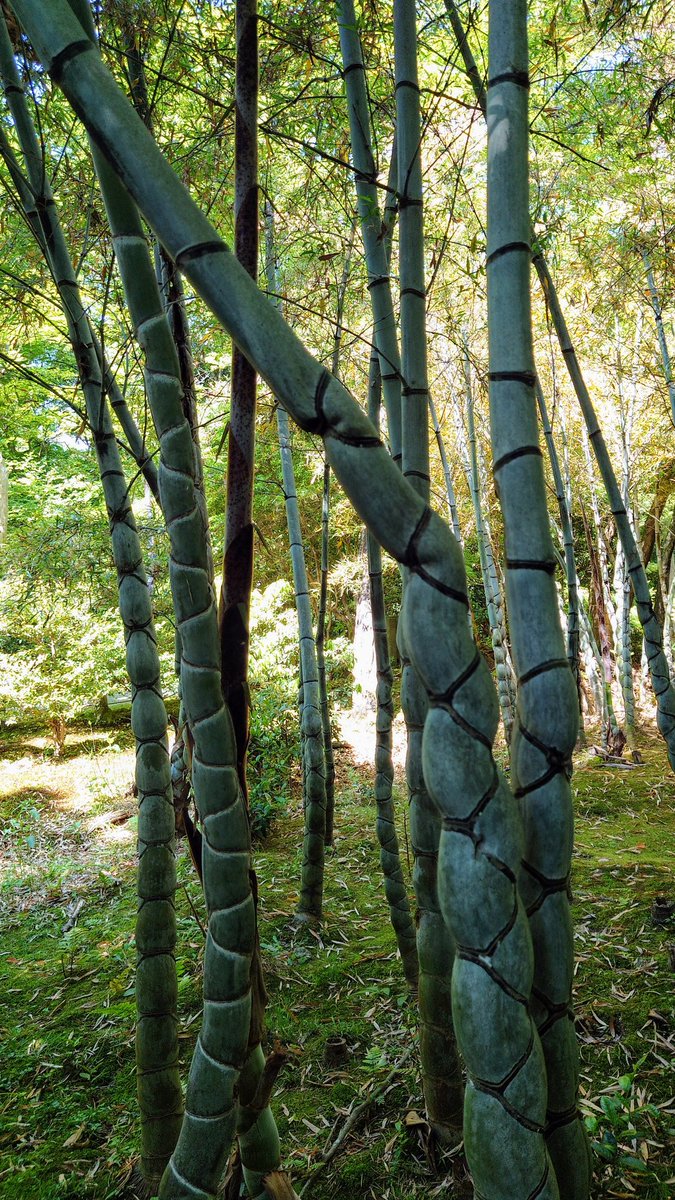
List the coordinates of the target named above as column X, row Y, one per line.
column 447, row 475
column 546, row 729
column 158, row 1077
column 481, row 837
column 653, row 634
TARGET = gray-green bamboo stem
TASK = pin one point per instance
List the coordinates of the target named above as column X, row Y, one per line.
column 325, row 548
column 375, row 247
column 658, row 666
column 441, row 1073
column 547, row 706
column 449, row 487
column 310, row 903
column 208, row 1125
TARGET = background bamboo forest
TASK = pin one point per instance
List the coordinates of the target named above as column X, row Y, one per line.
column 270, row 804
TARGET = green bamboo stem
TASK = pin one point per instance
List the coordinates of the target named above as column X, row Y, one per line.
column 658, row 666
column 375, row 245
column 661, row 333
column 325, row 547
column 568, row 543
column 493, row 594
column 395, row 888
column 622, row 583
column 310, row 903
column 481, row 839
column 547, row 707
column 441, row 1072
column 449, row 486
column 159, row 1089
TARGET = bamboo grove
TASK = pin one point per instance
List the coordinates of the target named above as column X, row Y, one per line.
column 486, row 946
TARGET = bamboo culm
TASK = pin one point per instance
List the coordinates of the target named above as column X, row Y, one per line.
column 441, row 1072
column 480, row 844
column 568, row 543
column 310, row 904
column 493, row 593
column 374, row 244
column 653, row 634
column 235, row 596
column 395, row 888
column 547, row 704
column 158, row 1079
column 325, row 547
column 661, row 333
column 210, row 1109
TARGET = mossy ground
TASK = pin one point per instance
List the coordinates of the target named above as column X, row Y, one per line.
column 67, row 1112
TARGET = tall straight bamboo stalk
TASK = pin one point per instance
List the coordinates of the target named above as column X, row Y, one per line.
column 325, row 547
column 441, row 1073
column 660, row 330
column 310, row 904
column 374, row 244
column 622, row 584
column 390, row 859
column 568, row 543
column 546, row 730
column 447, row 475
column 158, row 1079
column 493, row 594
column 235, row 598
column 653, row 634
column 480, row 845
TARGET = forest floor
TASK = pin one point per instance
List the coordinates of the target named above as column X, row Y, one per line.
column 67, row 1106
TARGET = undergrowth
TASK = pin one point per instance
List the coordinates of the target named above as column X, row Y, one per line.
column 67, row 1112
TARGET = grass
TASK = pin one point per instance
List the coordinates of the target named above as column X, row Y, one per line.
column 67, row 1112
